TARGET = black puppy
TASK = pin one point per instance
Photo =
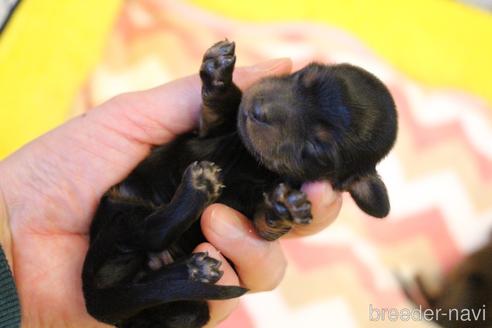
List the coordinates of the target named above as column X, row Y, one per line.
column 322, row 122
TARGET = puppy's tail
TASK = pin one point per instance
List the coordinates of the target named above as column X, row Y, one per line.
column 114, row 304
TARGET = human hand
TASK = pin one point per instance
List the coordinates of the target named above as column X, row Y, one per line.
column 259, row 264
column 51, row 188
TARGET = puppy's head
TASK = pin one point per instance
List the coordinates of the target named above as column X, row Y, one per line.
column 323, row 122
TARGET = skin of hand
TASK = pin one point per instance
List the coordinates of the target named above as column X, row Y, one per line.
column 50, row 188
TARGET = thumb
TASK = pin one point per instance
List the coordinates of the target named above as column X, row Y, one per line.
column 174, row 107
column 245, row 76
column 260, row 264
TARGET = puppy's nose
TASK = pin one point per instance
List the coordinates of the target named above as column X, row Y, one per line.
column 258, row 113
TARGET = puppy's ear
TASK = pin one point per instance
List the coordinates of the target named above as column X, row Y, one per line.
column 369, row 192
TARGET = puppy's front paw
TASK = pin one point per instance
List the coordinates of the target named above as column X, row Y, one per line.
column 217, row 66
column 205, row 176
column 291, row 204
column 204, row 268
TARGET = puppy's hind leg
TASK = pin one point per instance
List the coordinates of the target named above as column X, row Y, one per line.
column 200, row 185
column 190, row 279
column 199, row 267
column 220, row 96
column 118, row 284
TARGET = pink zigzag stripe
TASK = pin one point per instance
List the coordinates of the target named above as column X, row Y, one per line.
column 429, row 224
column 425, row 137
column 308, row 257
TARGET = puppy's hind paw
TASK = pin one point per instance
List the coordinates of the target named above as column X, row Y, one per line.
column 205, row 177
column 204, row 268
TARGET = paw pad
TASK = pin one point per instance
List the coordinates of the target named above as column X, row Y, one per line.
column 292, row 204
column 205, row 176
column 218, row 64
column 204, row 268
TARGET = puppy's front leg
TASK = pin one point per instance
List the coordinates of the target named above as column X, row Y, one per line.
column 284, row 207
column 220, row 96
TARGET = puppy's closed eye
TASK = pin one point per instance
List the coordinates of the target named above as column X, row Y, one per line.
column 310, row 150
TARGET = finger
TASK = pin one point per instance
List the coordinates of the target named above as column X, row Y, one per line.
column 220, row 310
column 325, row 206
column 260, row 264
column 244, row 77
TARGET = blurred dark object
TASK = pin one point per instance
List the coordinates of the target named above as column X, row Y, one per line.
column 464, row 297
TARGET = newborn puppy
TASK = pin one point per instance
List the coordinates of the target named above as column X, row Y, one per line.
column 465, row 289
column 322, row 122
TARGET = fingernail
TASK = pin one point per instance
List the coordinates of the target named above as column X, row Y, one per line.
column 270, row 65
column 321, row 192
column 226, row 224
column 329, row 194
